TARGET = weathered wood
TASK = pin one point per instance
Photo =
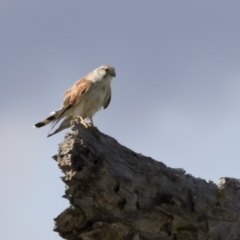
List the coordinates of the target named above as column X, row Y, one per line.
column 117, row 194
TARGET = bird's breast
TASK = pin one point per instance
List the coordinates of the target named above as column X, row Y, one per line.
column 93, row 100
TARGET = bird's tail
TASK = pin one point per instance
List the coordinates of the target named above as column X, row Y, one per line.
column 53, row 116
column 66, row 123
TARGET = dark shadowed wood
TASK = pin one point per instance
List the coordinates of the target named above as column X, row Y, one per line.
column 117, row 194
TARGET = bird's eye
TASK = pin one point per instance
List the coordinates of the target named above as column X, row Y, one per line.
column 106, row 69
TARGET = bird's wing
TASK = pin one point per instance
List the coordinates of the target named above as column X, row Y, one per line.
column 74, row 94
column 107, row 98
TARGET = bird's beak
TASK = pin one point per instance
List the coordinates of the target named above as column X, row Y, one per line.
column 113, row 74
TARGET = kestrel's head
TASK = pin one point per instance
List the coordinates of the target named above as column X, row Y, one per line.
column 106, row 70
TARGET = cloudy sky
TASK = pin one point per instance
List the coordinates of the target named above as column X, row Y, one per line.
column 176, row 96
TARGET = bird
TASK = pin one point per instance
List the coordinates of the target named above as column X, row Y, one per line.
column 86, row 97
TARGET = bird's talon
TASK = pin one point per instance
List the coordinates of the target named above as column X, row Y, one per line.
column 83, row 122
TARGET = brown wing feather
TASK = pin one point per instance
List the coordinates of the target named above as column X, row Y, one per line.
column 75, row 93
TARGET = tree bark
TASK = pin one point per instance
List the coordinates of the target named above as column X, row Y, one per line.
column 117, row 194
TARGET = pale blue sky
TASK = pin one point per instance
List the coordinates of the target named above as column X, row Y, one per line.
column 176, row 96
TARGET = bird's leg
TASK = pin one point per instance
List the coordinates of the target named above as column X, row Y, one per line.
column 91, row 121
column 83, row 122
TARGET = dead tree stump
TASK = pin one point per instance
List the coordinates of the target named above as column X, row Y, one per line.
column 117, row 194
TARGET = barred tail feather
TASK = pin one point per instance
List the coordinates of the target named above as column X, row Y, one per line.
column 55, row 117
column 45, row 121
